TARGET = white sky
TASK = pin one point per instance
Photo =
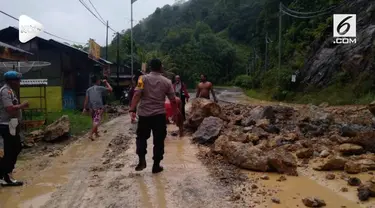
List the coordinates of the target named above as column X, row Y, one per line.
column 71, row 20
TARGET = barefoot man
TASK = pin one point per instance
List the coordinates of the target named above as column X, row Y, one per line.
column 94, row 102
column 204, row 88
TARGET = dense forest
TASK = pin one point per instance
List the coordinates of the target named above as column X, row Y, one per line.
column 232, row 42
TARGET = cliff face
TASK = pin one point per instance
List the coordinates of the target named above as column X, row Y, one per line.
column 326, row 59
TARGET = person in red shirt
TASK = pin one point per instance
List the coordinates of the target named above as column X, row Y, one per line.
column 182, row 93
column 178, row 119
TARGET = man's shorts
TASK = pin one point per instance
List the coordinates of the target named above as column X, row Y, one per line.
column 96, row 116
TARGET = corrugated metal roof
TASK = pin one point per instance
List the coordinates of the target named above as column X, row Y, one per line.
column 34, row 82
column 101, row 59
column 13, row 48
column 52, row 40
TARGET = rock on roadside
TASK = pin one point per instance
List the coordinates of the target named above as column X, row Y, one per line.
column 209, row 130
column 367, row 190
column 313, row 202
column 220, row 143
column 246, row 156
column 257, row 114
column 57, row 129
column 354, row 167
column 282, row 161
column 35, row 136
column 334, row 162
column 350, row 149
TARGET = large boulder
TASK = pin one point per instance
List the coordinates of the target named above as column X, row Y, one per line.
column 366, row 140
column 35, row 136
column 246, row 156
column 366, row 190
column 220, row 143
column 358, row 166
column 258, row 113
column 282, row 161
column 305, row 153
column 333, row 162
column 209, row 130
column 350, row 149
column 200, row 109
column 57, row 129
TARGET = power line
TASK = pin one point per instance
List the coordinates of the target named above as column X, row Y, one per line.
column 96, row 10
column 329, row 9
column 56, row 36
column 303, row 17
column 9, row 15
column 102, row 21
column 84, row 4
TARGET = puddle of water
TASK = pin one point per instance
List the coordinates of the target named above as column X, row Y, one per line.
column 180, row 158
column 294, row 189
column 160, row 189
column 337, row 184
column 145, row 196
column 37, row 201
column 38, row 191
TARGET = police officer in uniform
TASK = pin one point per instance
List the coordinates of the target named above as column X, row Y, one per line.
column 10, row 116
column 150, row 93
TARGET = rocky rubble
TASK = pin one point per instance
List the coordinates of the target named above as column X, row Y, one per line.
column 279, row 139
column 116, row 110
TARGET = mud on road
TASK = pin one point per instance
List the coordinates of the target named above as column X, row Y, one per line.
column 101, row 174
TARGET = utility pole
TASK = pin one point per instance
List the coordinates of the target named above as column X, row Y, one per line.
column 280, row 16
column 131, row 35
column 106, row 44
column 118, row 61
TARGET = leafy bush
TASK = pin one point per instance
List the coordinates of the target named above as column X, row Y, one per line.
column 244, row 81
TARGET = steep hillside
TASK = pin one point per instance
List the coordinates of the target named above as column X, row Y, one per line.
column 350, row 65
column 225, row 39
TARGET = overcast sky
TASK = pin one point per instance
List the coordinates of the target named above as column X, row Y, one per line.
column 71, row 20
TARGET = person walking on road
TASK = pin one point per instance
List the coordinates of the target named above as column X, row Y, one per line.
column 204, row 88
column 181, row 92
column 10, row 117
column 94, row 102
column 151, row 92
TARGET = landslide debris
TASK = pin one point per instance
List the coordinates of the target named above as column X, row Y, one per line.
column 279, row 138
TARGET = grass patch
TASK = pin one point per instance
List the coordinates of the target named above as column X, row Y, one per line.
column 333, row 95
column 258, row 94
column 79, row 123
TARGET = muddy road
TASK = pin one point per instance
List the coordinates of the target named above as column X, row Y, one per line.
column 101, row 174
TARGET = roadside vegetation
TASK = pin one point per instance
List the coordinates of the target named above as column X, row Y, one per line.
column 79, row 123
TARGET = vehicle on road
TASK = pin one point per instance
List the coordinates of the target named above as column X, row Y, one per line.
column 125, row 99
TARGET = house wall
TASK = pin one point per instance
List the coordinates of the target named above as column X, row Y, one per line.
column 44, row 52
column 54, row 97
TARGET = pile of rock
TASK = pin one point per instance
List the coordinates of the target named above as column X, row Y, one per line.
column 117, row 110
column 245, row 137
column 279, row 138
column 55, row 131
